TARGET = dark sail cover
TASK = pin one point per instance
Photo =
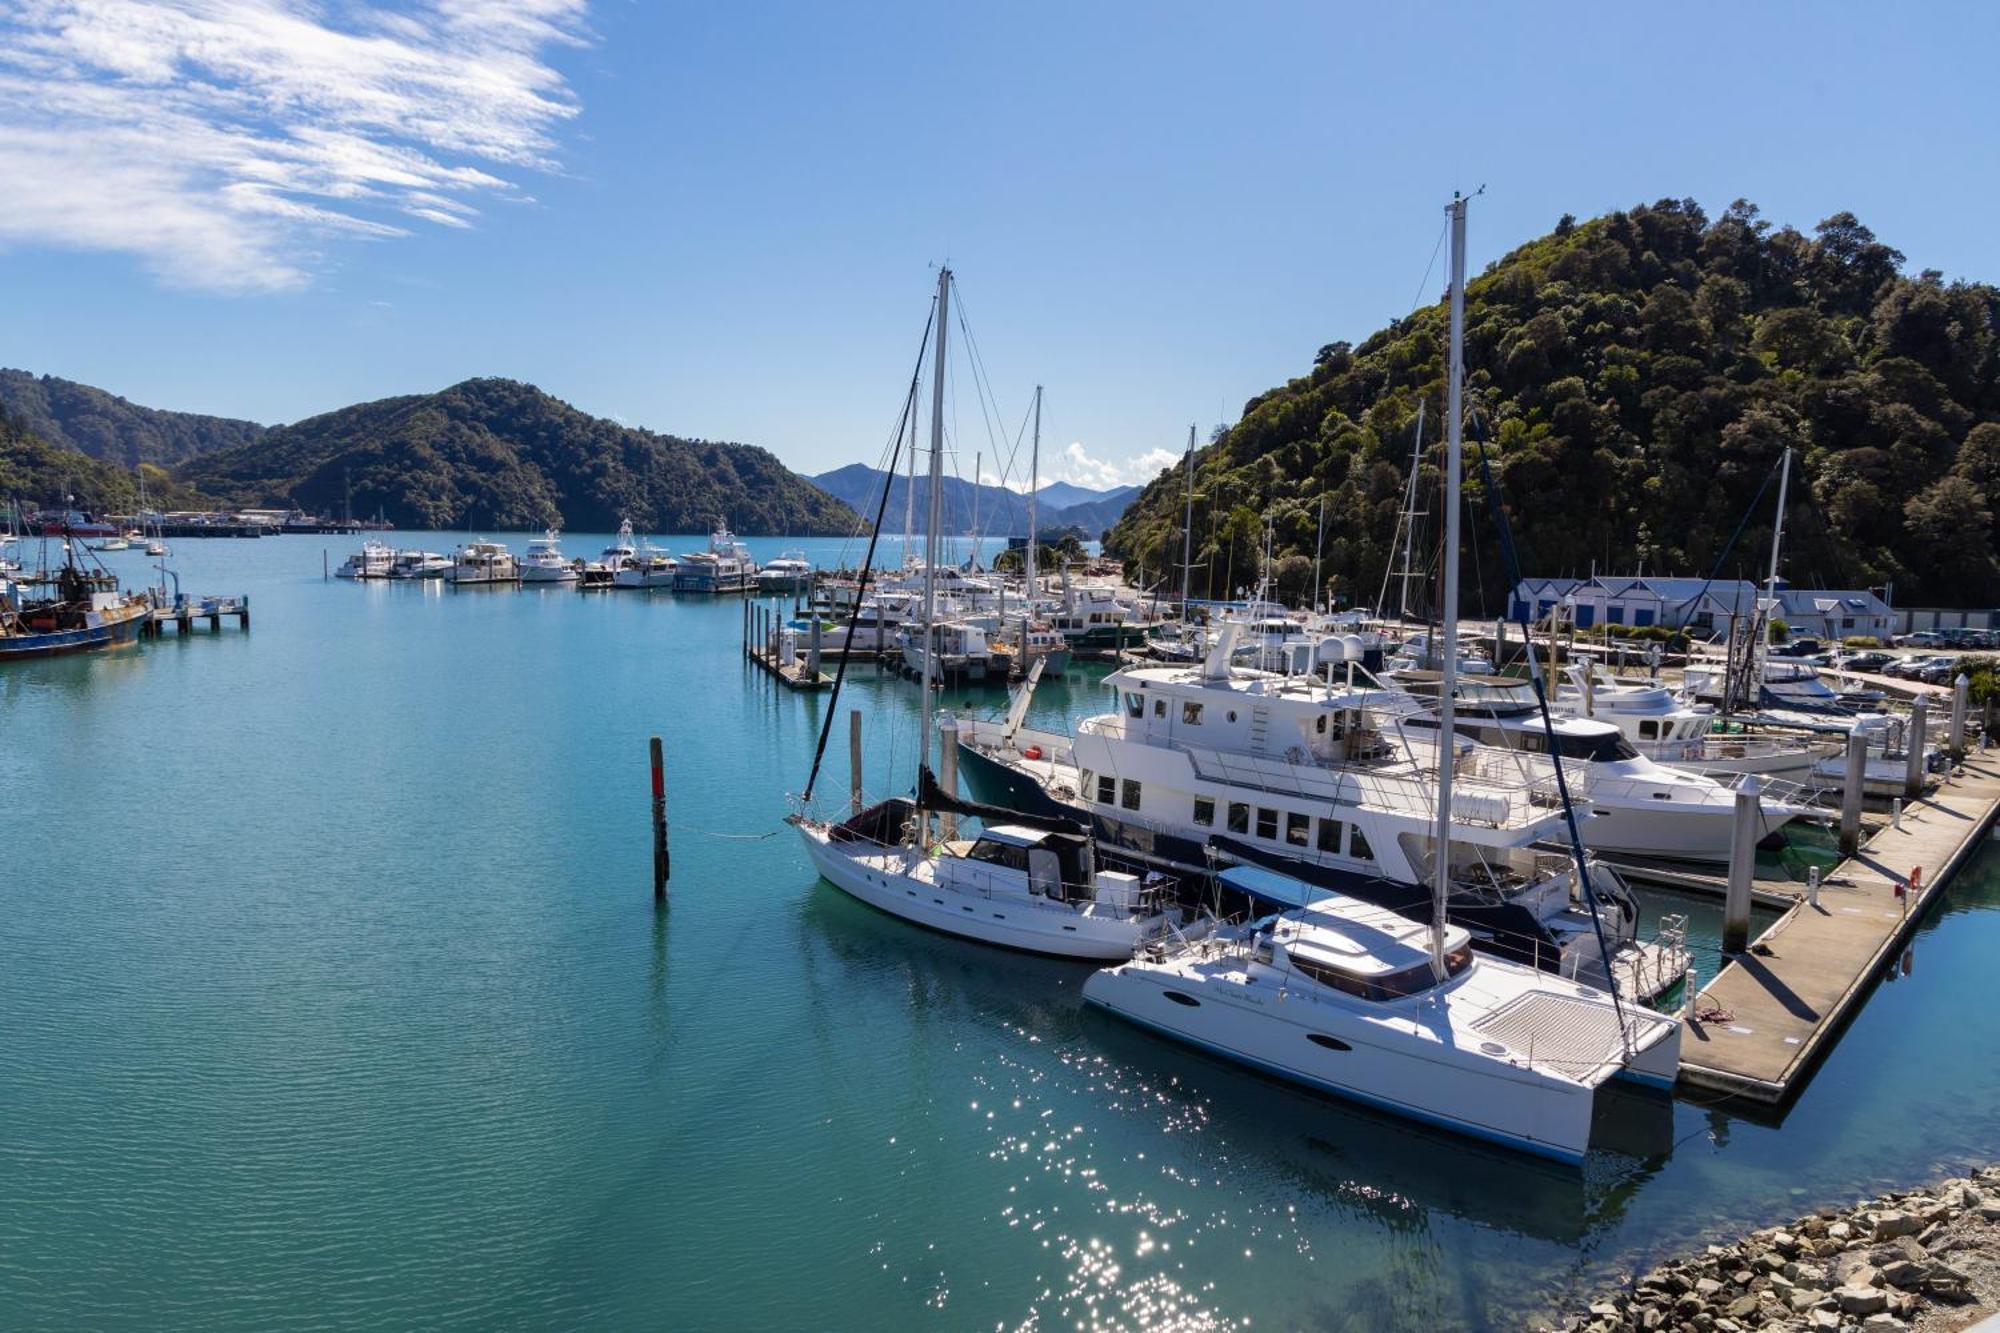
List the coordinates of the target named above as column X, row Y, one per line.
column 933, row 797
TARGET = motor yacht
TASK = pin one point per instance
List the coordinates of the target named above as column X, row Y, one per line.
column 372, row 561
column 791, row 572
column 420, row 565
column 725, row 567
column 545, row 561
column 482, row 563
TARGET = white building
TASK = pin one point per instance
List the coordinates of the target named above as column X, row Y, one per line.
column 1699, row 603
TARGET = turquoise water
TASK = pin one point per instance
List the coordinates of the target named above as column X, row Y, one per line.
column 334, row 994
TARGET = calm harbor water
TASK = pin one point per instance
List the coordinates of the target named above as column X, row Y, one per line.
column 333, row 994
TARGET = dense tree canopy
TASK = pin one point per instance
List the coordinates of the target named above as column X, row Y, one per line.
column 497, row 454
column 103, row 425
column 1636, row 377
column 35, row 473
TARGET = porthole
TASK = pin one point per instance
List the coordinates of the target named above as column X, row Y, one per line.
column 1331, row 1043
column 1179, row 998
column 1492, row 1048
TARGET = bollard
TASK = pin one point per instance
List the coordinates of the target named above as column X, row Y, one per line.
column 1690, row 991
column 1850, row 795
column 1960, row 696
column 1913, row 770
column 1896, row 814
column 1499, row 643
column 1742, row 868
column 812, row 653
column 1812, row 886
column 854, row 759
column 948, row 773
column 661, row 867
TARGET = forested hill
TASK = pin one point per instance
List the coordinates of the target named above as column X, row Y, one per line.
column 497, row 454
column 35, row 472
column 76, row 416
column 1638, row 375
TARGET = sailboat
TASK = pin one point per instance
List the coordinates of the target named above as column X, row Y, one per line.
column 1343, row 997
column 1023, row 884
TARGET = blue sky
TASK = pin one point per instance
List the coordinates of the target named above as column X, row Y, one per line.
column 721, row 220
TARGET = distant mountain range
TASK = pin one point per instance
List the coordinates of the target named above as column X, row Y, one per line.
column 999, row 512
column 76, row 416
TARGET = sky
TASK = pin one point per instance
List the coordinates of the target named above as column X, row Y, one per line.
column 724, row 220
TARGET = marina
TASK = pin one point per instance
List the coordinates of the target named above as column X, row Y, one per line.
column 615, row 1012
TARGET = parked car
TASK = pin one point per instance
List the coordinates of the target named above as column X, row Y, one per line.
column 1796, row 648
column 1867, row 661
column 1923, row 638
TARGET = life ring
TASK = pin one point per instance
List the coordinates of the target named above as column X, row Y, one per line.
column 1032, row 752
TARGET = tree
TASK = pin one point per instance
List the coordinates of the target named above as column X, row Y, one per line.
column 1951, row 535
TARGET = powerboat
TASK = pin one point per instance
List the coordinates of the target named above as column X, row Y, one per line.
column 647, row 567
column 478, row 564
column 725, row 567
column 545, row 561
column 790, row 572
column 373, row 561
column 420, row 565
column 1343, row 997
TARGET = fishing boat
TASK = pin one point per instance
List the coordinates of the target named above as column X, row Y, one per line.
column 71, row 523
column 82, row 614
column 482, row 564
column 420, row 565
column 545, row 561
column 373, row 561
column 725, row 567
column 612, row 558
column 1028, row 885
column 1342, row 996
column 791, row 572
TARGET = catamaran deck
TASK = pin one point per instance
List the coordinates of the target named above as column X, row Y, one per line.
column 1788, row 998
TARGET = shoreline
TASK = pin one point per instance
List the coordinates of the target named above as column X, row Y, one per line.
column 1920, row 1259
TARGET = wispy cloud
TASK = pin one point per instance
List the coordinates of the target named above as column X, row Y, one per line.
column 1078, row 466
column 228, row 142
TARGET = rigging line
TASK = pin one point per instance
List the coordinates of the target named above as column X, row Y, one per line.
column 867, row 561
column 1505, row 537
column 983, row 383
column 1417, row 302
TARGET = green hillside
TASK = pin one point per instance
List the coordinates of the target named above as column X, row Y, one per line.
column 1637, row 376
column 496, row 454
column 36, row 474
column 103, row 425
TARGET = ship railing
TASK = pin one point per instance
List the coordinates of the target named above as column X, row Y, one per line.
column 1488, row 801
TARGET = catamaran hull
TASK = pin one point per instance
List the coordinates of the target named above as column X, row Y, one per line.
column 988, row 921
column 1521, row 1109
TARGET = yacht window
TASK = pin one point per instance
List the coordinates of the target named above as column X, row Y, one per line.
column 1204, row 812
column 1596, row 749
column 1239, row 817
column 1159, row 708
column 1135, row 704
column 1329, row 836
column 1083, row 781
column 1232, row 715
column 1191, row 714
column 999, row 854
column 1296, row 828
column 1649, row 730
column 1319, row 724
column 1357, row 846
column 1131, row 795
column 1410, row 981
column 1107, row 790
column 1267, row 823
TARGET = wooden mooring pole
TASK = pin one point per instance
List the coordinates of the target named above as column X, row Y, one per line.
column 661, row 865
column 1851, row 792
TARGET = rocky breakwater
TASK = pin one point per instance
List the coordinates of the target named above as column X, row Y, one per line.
column 1925, row 1260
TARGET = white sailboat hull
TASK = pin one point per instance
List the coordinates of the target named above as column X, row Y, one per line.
column 892, row 881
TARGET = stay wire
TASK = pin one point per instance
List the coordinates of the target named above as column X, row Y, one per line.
column 867, row 563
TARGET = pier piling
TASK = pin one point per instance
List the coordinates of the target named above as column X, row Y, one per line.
column 948, row 772
column 1742, row 868
column 1913, row 768
column 1851, row 793
column 661, row 866
column 854, row 759
column 1961, row 694
column 812, row 652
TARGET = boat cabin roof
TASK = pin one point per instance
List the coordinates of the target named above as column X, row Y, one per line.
column 1336, row 931
column 1013, row 835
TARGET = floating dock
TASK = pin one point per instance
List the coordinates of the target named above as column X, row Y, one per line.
column 795, row 673
column 1788, row 998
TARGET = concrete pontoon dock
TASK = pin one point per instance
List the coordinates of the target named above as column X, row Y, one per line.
column 1788, row 998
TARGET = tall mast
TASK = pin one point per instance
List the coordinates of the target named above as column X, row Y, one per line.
column 931, row 527
column 1771, row 583
column 1448, row 650
column 910, row 486
column 1319, row 545
column 1410, row 510
column 978, row 462
column 1034, row 484
column 1187, row 528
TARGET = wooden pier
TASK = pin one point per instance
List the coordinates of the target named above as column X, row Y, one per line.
column 185, row 611
column 1787, row 999
column 794, row 673
column 763, row 644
